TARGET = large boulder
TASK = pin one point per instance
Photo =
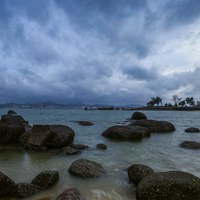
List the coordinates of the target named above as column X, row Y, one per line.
column 190, row 145
column 137, row 172
column 138, row 116
column 126, row 132
column 46, row 179
column 86, row 168
column 192, row 130
column 50, row 136
column 70, row 194
column 6, row 184
column 24, row 190
column 155, row 126
column 11, row 128
column 173, row 185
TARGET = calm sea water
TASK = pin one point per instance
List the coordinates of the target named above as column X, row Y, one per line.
column 160, row 151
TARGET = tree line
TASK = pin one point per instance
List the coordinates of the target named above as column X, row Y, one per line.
column 177, row 101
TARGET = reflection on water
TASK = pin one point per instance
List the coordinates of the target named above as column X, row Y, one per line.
column 160, row 151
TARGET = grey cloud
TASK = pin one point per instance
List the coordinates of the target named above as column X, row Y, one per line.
column 79, row 52
column 181, row 12
column 141, row 73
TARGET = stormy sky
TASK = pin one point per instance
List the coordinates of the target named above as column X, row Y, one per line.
column 99, row 51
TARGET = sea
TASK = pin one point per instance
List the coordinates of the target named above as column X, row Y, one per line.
column 160, row 151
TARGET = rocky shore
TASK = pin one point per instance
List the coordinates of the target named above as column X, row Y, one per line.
column 150, row 185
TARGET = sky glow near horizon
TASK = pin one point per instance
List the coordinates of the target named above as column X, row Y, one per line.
column 96, row 51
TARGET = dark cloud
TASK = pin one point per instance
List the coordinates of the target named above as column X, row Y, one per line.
column 140, row 73
column 181, row 12
column 94, row 51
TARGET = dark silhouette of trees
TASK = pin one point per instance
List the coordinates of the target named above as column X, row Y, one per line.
column 155, row 101
column 176, row 99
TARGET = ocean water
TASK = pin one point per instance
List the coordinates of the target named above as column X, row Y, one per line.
column 160, row 151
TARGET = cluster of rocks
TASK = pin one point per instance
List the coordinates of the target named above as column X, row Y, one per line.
column 83, row 168
column 42, row 181
column 139, row 128
column 14, row 129
column 171, row 185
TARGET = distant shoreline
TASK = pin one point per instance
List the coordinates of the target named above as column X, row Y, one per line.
column 166, row 108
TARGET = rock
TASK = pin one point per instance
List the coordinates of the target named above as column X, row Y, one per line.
column 84, row 123
column 137, row 172
column 126, row 132
column 46, row 179
column 173, row 185
column 190, row 145
column 79, row 146
column 192, row 130
column 70, row 151
column 86, row 169
column 11, row 128
column 101, row 146
column 155, row 126
column 70, row 194
column 6, row 184
column 138, row 116
column 11, row 112
column 24, row 190
column 50, row 136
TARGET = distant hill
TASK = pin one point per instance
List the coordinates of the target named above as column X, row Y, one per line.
column 58, row 105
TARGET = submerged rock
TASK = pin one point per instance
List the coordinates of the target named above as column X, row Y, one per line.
column 24, row 190
column 84, row 123
column 155, row 126
column 126, row 132
column 86, row 168
column 70, row 151
column 137, row 172
column 11, row 128
column 6, row 184
column 70, row 194
column 173, row 185
column 46, row 179
column 79, row 146
column 50, row 136
column 190, row 145
column 138, row 116
column 192, row 130
column 101, row 146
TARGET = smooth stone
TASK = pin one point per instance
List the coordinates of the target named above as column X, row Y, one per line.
column 101, row 146
column 137, row 172
column 84, row 123
column 173, row 185
column 138, row 116
column 46, row 179
column 24, row 190
column 192, row 130
column 86, row 168
column 190, row 145
column 79, row 146
column 70, row 151
column 128, row 133
column 6, row 184
column 50, row 136
column 155, row 126
column 70, row 194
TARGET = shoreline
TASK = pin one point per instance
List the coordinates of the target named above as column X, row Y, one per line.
column 164, row 108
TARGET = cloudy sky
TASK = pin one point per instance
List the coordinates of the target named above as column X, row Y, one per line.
column 99, row 51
